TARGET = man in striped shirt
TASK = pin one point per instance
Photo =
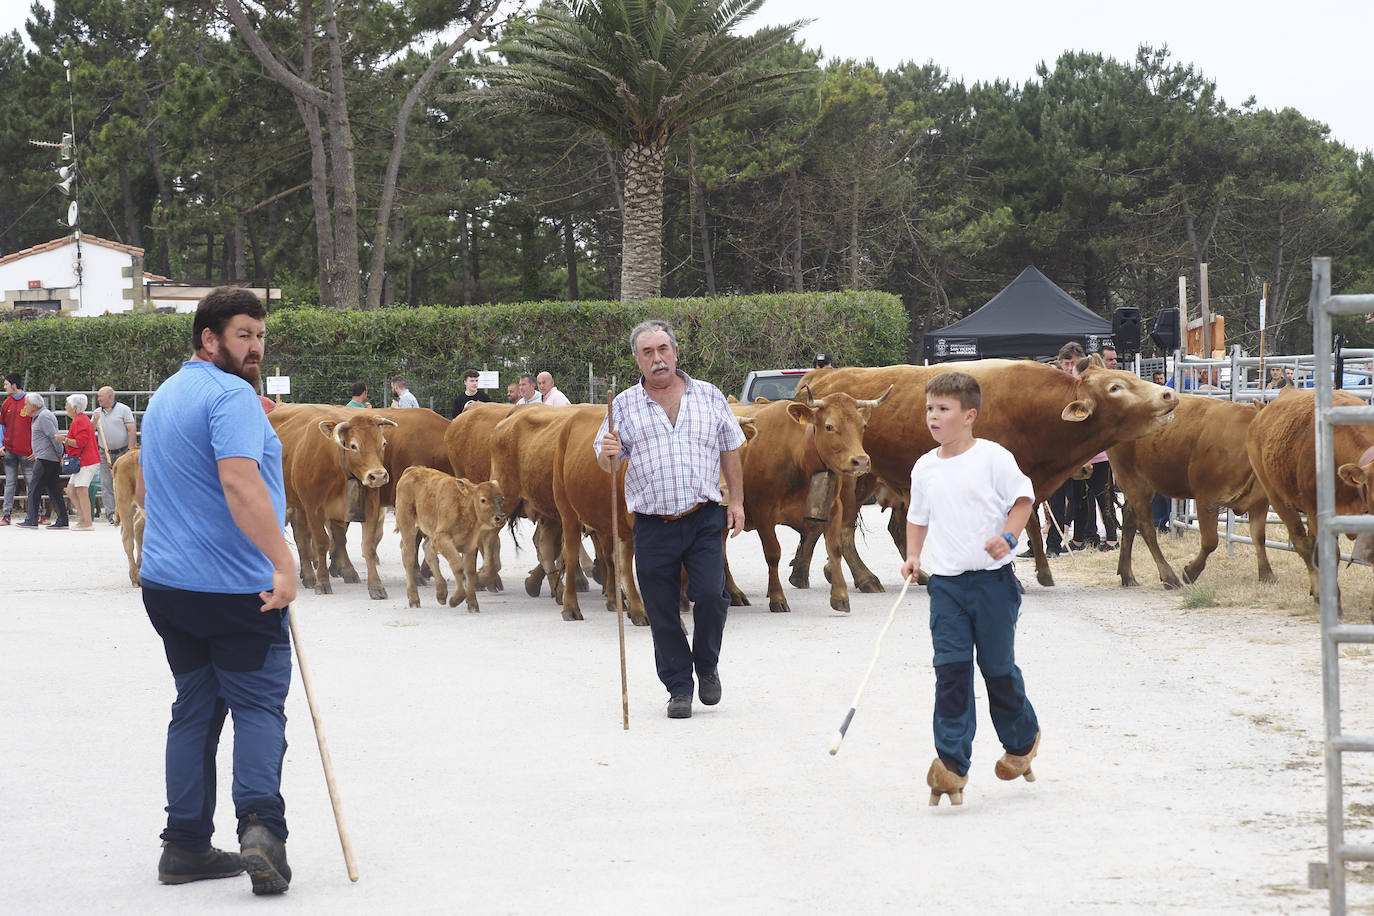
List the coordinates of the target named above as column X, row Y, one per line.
column 677, row 435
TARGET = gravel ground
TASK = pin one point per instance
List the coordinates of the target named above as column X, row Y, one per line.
column 483, row 767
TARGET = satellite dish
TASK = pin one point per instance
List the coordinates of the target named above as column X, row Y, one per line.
column 71, row 214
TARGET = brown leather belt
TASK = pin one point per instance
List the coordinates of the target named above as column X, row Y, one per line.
column 673, row 518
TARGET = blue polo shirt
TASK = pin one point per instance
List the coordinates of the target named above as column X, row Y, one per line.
column 196, row 418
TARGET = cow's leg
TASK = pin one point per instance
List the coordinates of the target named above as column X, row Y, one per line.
column 625, row 573
column 1207, row 528
column 588, row 565
column 1258, row 514
column 372, row 536
column 126, row 534
column 300, row 533
column 490, row 575
column 1037, row 545
column 1150, row 536
column 772, row 554
column 801, row 560
column 140, row 520
column 839, row 594
column 1304, row 542
column 847, row 505
column 340, row 564
column 319, row 537
column 534, row 580
column 405, row 523
column 441, row 595
column 469, row 580
column 737, row 596
column 463, row 587
column 572, row 609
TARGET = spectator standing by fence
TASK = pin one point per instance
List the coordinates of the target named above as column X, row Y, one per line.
column 359, row 398
column 403, row 396
column 470, row 392
column 116, row 433
column 549, row 394
column 79, row 442
column 47, row 457
column 16, row 435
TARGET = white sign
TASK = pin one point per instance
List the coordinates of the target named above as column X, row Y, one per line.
column 279, row 384
column 488, row 379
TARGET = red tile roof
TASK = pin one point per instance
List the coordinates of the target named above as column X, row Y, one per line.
column 67, row 240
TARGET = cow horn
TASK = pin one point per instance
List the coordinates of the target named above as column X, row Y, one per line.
column 874, row 402
column 383, row 421
column 337, row 435
column 810, row 401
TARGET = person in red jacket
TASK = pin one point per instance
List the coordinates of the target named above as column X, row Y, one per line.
column 80, row 442
column 16, row 442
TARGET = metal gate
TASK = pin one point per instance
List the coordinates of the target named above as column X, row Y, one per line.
column 1321, row 307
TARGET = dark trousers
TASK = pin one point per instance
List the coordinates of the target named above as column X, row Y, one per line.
column 976, row 612
column 47, row 479
column 1095, row 494
column 1159, row 511
column 1062, row 507
column 226, row 655
column 662, row 550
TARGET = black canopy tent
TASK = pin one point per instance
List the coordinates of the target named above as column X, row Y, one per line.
column 1031, row 317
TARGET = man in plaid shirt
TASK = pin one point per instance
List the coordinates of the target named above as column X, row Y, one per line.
column 677, row 435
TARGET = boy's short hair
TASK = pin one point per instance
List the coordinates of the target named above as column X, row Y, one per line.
column 359, row 388
column 958, row 385
column 1071, row 350
column 472, row 373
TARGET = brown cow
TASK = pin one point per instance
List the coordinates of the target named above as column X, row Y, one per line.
column 1200, row 455
column 797, row 439
column 468, row 444
column 522, row 465
column 1050, row 421
column 1282, row 451
column 322, row 448
column 582, row 492
column 452, row 514
column 124, row 474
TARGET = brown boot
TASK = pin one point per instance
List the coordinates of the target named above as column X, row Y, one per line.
column 1013, row 765
column 944, row 781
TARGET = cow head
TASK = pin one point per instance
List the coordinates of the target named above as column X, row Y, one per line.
column 488, row 506
column 1360, row 476
column 1127, row 406
column 361, row 441
column 836, row 426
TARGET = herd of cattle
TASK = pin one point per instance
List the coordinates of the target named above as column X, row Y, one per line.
column 453, row 484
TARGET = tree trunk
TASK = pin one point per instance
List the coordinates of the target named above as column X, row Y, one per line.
column 346, row 272
column 794, row 192
column 239, row 274
column 570, row 257
column 209, row 259
column 398, row 143
column 854, row 238
column 130, row 213
column 163, row 263
column 465, row 257
column 699, row 204
column 529, row 260
column 641, row 247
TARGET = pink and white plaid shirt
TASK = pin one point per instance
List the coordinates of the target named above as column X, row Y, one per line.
column 672, row 468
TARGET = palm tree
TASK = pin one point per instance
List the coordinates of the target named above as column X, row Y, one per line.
column 638, row 72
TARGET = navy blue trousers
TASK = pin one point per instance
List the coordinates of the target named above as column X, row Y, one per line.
column 226, row 655
column 662, row 550
column 976, row 612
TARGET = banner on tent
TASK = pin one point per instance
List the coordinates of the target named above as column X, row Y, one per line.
column 956, row 347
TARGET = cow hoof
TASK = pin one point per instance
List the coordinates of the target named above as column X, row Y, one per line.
column 1046, row 579
column 351, row 578
column 377, row 594
column 800, row 579
column 870, row 587
column 1129, row 582
column 826, row 570
column 474, row 609
column 1268, row 577
column 136, row 581
column 415, row 602
column 495, row 585
column 533, row 585
column 840, row 604
column 779, row 607
column 739, row 600
column 639, row 620
column 597, row 576
column 1190, row 575
column 572, row 614
column 322, row 588
column 1172, row 586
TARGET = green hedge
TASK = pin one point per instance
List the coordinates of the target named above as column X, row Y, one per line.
column 324, row 351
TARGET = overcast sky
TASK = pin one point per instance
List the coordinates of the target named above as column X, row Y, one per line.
column 1314, row 56
column 1262, row 48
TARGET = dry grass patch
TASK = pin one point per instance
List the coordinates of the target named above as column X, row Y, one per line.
column 1227, row 582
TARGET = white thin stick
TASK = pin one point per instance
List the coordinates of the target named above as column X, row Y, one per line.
column 849, row 716
column 324, row 750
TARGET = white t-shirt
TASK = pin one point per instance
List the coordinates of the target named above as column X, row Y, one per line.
column 964, row 500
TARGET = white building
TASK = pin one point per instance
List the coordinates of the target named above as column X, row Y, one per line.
column 80, row 275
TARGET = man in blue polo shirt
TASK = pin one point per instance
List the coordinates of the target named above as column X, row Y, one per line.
column 217, row 581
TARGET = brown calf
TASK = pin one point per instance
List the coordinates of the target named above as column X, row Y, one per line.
column 453, row 514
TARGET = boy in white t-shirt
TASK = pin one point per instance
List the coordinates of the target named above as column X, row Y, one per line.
column 968, row 500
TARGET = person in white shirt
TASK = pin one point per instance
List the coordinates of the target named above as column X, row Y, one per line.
column 551, row 396
column 528, row 393
column 403, row 396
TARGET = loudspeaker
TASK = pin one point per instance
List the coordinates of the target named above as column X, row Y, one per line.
column 1126, row 329
column 1165, row 333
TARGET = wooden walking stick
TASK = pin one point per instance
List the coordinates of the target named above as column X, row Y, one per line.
column 324, row 750
column 615, row 579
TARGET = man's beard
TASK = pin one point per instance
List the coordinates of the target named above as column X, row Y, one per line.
column 251, row 374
